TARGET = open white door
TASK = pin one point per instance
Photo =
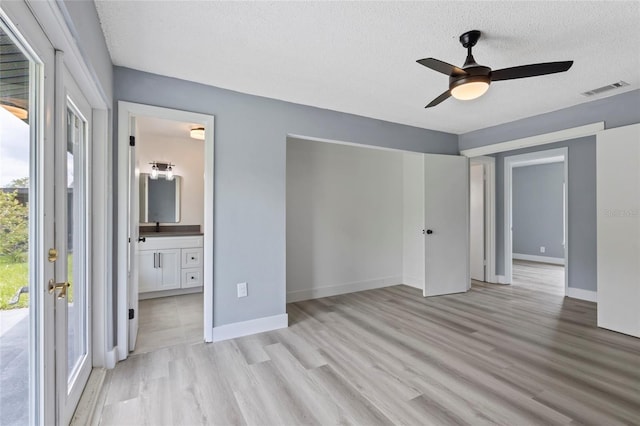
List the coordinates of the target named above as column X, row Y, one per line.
column 134, row 219
column 476, row 221
column 446, row 224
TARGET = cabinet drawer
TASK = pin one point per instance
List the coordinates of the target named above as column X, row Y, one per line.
column 191, row 277
column 191, row 257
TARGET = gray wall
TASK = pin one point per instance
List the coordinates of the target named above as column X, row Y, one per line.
column 581, row 209
column 250, row 177
column 83, row 22
column 615, row 111
column 537, row 204
column 344, row 218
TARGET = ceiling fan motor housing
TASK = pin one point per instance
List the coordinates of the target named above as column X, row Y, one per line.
column 476, row 74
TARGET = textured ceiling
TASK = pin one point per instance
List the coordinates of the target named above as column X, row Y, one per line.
column 359, row 57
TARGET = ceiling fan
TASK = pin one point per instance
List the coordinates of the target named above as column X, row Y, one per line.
column 472, row 80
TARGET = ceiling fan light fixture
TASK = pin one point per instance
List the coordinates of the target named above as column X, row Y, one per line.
column 469, row 88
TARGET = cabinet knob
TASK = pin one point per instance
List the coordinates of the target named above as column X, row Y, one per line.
column 193, row 258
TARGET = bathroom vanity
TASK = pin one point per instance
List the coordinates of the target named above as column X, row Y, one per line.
column 169, row 264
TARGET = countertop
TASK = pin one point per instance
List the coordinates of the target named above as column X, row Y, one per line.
column 170, row 234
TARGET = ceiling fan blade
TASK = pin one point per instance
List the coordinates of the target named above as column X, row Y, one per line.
column 532, row 70
column 440, row 66
column 439, row 99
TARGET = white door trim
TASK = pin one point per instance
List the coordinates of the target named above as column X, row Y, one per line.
column 489, row 164
column 541, row 139
column 529, row 159
column 125, row 110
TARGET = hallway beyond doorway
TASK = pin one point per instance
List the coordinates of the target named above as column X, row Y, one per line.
column 543, row 277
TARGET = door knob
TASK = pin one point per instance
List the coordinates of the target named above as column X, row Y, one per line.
column 429, row 231
column 53, row 286
column 53, row 255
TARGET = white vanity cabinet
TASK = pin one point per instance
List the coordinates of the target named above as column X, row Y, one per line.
column 158, row 270
column 170, row 263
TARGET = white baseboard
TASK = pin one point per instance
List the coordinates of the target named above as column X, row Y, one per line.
column 111, row 357
column 245, row 328
column 543, row 259
column 578, row 293
column 413, row 282
column 334, row 290
column 501, row 279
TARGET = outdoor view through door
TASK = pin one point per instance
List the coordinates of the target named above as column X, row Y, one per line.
column 45, row 340
column 16, row 211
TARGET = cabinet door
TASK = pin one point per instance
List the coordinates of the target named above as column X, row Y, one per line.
column 148, row 276
column 192, row 257
column 192, row 277
column 169, row 262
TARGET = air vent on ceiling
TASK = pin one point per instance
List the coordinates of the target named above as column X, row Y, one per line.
column 606, row 88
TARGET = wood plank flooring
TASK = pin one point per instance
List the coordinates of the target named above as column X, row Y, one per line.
column 169, row 321
column 511, row 355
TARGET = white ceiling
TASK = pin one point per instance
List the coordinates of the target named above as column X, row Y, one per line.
column 168, row 129
column 359, row 57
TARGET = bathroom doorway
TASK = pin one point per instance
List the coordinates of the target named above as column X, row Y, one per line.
column 170, row 175
column 165, row 258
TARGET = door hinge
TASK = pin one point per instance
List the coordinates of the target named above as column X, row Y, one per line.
column 132, row 314
column 132, row 141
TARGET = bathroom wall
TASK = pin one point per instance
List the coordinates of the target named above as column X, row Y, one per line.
column 188, row 156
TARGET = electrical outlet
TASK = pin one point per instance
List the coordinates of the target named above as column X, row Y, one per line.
column 542, row 249
column 242, row 289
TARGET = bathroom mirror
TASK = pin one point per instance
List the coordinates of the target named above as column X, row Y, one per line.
column 159, row 199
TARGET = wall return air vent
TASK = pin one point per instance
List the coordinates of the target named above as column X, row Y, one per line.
column 606, row 88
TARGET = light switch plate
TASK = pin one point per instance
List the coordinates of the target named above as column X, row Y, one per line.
column 242, row 289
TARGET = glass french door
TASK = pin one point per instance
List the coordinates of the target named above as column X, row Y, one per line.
column 45, row 350
column 73, row 333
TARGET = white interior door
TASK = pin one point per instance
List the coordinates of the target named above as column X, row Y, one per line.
column 446, row 224
column 72, row 230
column 134, row 223
column 476, row 221
column 618, row 202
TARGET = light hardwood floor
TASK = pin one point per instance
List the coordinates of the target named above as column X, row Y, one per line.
column 512, row 355
column 538, row 276
column 169, row 321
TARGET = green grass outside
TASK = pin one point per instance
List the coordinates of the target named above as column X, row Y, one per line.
column 15, row 275
column 12, row 277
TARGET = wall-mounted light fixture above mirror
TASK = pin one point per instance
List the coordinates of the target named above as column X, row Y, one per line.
column 157, row 167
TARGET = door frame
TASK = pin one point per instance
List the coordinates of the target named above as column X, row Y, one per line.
column 489, row 166
column 548, row 156
column 514, row 144
column 54, row 20
column 125, row 111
